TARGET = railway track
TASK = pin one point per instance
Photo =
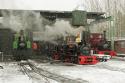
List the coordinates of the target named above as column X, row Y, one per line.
column 28, row 70
column 46, row 74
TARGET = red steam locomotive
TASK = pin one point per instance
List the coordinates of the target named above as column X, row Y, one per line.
column 100, row 45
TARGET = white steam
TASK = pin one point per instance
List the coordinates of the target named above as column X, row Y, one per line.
column 59, row 29
column 43, row 31
column 17, row 20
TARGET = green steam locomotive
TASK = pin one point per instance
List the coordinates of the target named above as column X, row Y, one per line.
column 21, row 46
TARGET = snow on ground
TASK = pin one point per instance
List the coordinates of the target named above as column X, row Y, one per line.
column 11, row 74
column 105, row 72
column 117, row 64
column 112, row 71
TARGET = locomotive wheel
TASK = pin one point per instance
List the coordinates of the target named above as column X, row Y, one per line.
column 20, row 55
column 56, row 57
column 16, row 55
column 67, row 59
column 24, row 54
column 74, row 60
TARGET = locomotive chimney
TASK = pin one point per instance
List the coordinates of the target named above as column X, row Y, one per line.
column 21, row 32
column 104, row 33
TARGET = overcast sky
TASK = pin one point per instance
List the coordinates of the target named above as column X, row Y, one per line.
column 64, row 5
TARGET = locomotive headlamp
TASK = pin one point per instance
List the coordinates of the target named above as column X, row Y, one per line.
column 91, row 36
column 100, row 36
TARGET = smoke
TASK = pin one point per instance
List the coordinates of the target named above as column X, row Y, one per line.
column 60, row 29
column 33, row 21
column 17, row 20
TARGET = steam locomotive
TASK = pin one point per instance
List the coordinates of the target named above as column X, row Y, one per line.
column 80, row 53
column 73, row 53
column 21, row 46
column 100, row 45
